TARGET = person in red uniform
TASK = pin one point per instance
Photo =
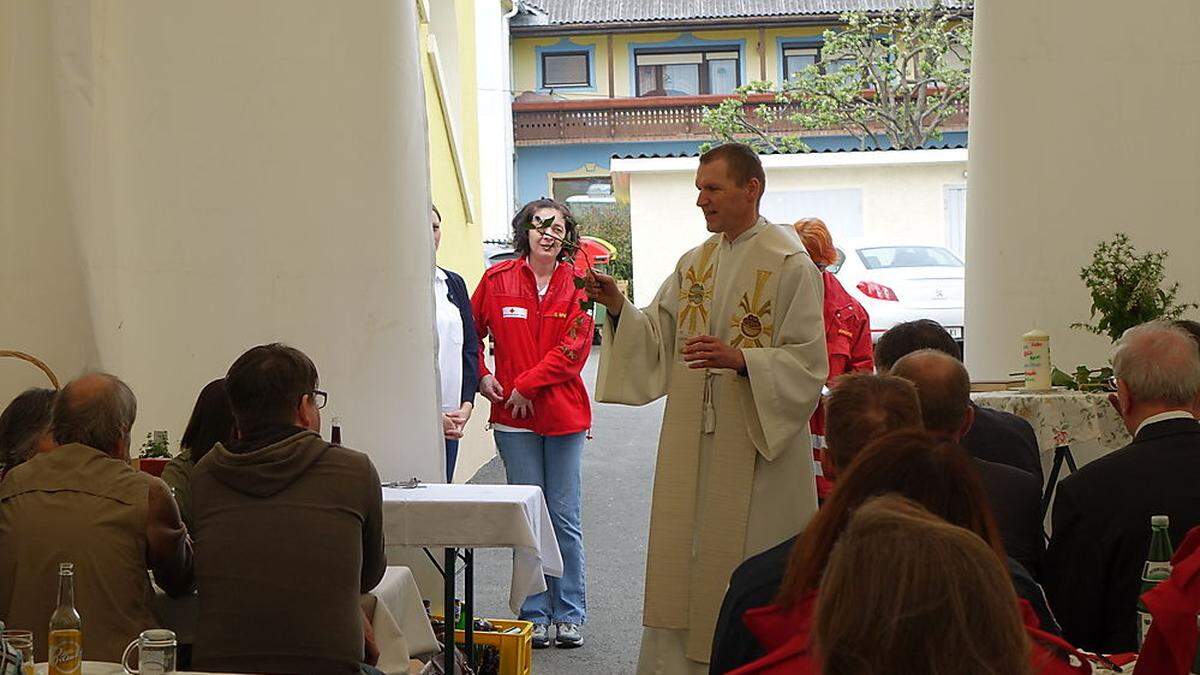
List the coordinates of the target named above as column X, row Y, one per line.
column 532, row 308
column 913, row 465
column 847, row 333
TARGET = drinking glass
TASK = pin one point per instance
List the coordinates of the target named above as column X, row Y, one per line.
column 156, row 653
column 21, row 641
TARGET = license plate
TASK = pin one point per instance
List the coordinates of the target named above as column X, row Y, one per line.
column 955, row 332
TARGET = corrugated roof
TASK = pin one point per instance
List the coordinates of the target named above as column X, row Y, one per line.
column 943, row 144
column 564, row 12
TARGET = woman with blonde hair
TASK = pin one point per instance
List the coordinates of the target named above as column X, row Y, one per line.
column 938, row 603
column 847, row 326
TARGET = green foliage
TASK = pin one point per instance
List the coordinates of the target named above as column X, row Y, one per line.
column 897, row 75
column 155, row 445
column 1126, row 288
column 611, row 222
column 1084, row 379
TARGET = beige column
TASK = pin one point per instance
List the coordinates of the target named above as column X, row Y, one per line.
column 185, row 180
column 1083, row 124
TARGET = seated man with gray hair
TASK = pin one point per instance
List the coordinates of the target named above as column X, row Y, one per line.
column 1101, row 523
column 83, row 503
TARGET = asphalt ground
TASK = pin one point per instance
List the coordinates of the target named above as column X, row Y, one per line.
column 618, row 472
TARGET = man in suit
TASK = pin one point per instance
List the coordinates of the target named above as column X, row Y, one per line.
column 944, row 389
column 1101, row 522
column 995, row 435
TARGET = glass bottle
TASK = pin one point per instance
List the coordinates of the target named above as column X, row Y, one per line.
column 1156, row 570
column 335, row 430
column 66, row 628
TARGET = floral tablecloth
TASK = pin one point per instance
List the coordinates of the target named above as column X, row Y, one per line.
column 1062, row 417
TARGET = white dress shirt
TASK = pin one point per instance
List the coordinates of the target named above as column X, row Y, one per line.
column 450, row 343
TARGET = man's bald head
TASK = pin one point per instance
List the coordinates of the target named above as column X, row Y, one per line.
column 97, row 410
column 943, row 387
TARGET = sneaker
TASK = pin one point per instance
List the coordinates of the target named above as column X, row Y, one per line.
column 568, row 636
column 541, row 636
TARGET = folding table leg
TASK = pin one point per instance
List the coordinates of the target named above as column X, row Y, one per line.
column 469, row 603
column 1060, row 453
column 448, row 610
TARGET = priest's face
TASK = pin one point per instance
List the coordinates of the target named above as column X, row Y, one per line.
column 726, row 205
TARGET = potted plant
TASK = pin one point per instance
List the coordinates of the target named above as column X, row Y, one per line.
column 1126, row 288
column 155, row 453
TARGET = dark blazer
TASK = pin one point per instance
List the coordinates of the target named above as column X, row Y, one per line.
column 754, row 583
column 462, row 300
column 1016, row 501
column 1004, row 438
column 1093, row 567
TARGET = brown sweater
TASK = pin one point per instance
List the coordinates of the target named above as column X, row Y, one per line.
column 287, row 538
column 77, row 504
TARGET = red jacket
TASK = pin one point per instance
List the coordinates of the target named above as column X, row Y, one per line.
column 787, row 637
column 847, row 339
column 1171, row 642
column 540, row 346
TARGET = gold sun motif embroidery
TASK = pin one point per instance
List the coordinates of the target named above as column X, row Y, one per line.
column 697, row 293
column 753, row 329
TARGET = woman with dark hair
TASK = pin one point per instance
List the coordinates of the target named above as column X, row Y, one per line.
column 457, row 352
column 913, row 464
column 532, row 308
column 211, row 423
column 25, row 427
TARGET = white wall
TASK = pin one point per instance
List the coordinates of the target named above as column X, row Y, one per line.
column 186, row 180
column 902, row 198
column 1072, row 140
column 495, row 120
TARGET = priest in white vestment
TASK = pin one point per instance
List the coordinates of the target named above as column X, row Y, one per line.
column 735, row 340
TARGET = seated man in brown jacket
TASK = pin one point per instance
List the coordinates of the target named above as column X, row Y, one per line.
column 82, row 503
column 288, row 529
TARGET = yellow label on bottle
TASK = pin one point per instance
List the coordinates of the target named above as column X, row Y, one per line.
column 66, row 652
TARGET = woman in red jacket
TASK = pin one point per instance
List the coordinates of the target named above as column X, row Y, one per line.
column 847, row 332
column 935, row 474
column 540, row 408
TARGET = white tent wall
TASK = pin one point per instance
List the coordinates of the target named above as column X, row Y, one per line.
column 1083, row 124
column 181, row 181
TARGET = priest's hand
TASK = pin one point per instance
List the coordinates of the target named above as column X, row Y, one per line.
column 706, row 351
column 490, row 387
column 603, row 289
column 519, row 405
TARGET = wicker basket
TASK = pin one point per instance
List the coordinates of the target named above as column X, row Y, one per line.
column 29, row 358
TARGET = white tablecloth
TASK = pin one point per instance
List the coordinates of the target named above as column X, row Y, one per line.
column 401, row 627
column 102, row 668
column 479, row 516
column 1062, row 417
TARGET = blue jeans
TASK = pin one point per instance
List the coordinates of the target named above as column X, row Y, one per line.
column 553, row 463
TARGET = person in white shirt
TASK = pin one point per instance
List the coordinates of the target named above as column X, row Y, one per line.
column 458, row 360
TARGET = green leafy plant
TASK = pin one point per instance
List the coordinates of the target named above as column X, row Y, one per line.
column 1084, row 379
column 1127, row 288
column 611, row 222
column 897, row 75
column 155, row 445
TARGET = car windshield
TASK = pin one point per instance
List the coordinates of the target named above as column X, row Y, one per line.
column 881, row 257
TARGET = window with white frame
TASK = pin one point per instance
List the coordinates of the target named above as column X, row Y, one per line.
column 566, row 69
column 799, row 55
column 687, row 73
